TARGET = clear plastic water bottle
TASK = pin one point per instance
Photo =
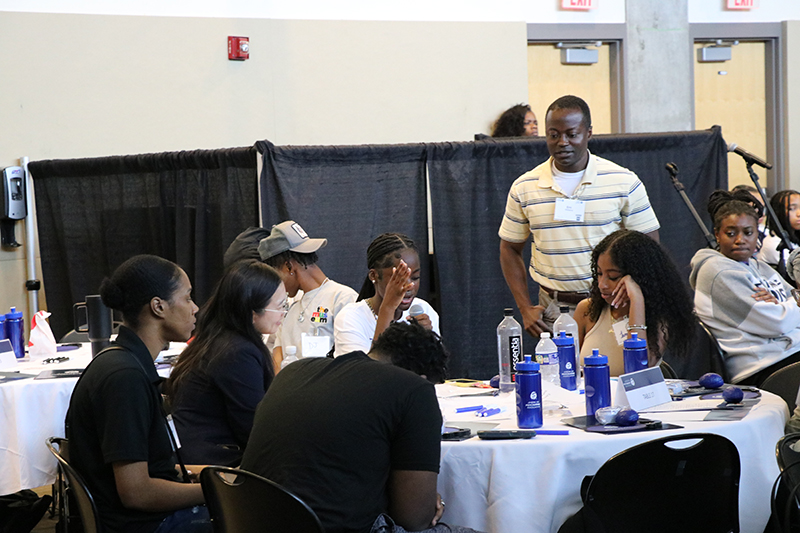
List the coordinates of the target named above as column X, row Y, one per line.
column 547, row 357
column 289, row 356
column 567, row 324
column 509, row 348
column 529, row 394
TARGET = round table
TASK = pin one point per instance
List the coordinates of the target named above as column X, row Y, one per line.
column 32, row 410
column 508, row 486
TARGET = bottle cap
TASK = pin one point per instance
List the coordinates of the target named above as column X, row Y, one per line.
column 595, row 359
column 14, row 314
column 545, row 335
column 634, row 342
column 527, row 365
column 564, row 309
column 563, row 339
column 291, row 350
column 508, row 312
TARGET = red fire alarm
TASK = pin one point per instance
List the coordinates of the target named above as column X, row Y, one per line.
column 238, row 48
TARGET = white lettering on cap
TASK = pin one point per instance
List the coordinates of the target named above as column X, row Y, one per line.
column 299, row 230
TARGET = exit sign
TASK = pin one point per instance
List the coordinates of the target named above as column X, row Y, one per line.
column 578, row 4
column 742, row 4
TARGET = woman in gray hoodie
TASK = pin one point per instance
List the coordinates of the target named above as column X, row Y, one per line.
column 744, row 302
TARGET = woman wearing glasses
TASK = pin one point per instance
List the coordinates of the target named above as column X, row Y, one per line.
column 224, row 372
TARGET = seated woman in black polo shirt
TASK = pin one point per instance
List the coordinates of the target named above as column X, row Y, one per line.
column 118, row 435
column 223, row 374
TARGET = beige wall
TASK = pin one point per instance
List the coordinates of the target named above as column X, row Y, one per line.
column 791, row 89
column 91, row 85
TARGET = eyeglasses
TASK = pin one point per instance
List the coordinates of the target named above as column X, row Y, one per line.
column 796, row 294
column 284, row 309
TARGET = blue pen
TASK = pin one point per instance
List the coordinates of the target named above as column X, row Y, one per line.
column 489, row 412
column 467, row 409
column 552, row 432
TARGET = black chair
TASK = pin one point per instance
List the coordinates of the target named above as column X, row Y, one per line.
column 706, row 356
column 242, row 502
column 784, row 382
column 785, row 498
column 76, row 487
column 689, row 481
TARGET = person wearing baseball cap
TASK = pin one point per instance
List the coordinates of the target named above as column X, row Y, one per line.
column 290, row 250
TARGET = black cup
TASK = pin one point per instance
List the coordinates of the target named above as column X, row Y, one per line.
column 94, row 317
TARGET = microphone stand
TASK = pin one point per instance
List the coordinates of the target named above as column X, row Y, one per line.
column 773, row 218
column 673, row 172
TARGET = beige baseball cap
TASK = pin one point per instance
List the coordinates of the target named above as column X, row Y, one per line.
column 287, row 236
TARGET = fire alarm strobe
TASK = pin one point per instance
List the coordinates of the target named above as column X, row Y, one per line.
column 238, row 48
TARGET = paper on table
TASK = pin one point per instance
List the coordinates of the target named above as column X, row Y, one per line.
column 687, row 404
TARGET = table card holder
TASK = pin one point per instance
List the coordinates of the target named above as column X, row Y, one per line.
column 642, row 389
column 7, row 358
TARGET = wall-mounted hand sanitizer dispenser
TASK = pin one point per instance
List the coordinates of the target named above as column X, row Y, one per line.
column 14, row 204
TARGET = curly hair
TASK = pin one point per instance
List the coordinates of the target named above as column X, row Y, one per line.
column 247, row 286
column 780, row 204
column 722, row 204
column 512, row 122
column 573, row 102
column 414, row 348
column 668, row 306
column 381, row 253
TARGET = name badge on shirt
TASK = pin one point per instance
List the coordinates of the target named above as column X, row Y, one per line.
column 620, row 330
column 316, row 346
column 569, row 210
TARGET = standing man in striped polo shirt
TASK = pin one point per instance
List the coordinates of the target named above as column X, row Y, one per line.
column 567, row 205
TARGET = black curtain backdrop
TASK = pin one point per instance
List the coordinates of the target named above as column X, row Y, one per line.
column 348, row 195
column 93, row 214
column 469, row 184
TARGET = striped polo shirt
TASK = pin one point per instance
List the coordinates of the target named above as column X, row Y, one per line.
column 561, row 252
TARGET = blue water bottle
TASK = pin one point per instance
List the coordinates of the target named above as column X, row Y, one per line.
column 634, row 353
column 566, row 360
column 15, row 332
column 529, row 394
column 598, row 382
column 3, row 327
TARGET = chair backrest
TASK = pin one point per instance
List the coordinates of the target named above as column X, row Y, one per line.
column 784, row 382
column 240, row 501
column 656, row 485
column 86, row 506
column 706, row 356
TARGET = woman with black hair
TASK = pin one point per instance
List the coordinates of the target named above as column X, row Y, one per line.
column 225, row 371
column 389, row 294
column 119, row 439
column 786, row 205
column 635, row 289
column 744, row 302
column 517, row 121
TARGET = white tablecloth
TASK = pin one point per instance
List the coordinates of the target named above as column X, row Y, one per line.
column 534, row 485
column 32, row 411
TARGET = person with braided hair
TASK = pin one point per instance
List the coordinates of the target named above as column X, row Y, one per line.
column 742, row 300
column 786, row 205
column 389, row 293
column 636, row 288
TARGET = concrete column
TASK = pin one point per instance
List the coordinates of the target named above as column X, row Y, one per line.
column 657, row 67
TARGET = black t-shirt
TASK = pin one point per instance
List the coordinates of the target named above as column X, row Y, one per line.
column 115, row 415
column 331, row 430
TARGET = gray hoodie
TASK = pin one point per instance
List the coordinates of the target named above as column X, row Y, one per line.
column 754, row 334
